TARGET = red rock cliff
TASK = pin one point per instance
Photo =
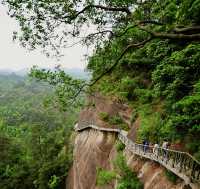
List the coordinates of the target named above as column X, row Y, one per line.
column 95, row 149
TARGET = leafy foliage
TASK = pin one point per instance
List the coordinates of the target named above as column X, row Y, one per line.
column 128, row 179
column 104, row 177
column 114, row 120
column 50, row 24
column 120, row 146
column 171, row 176
column 104, row 116
column 66, row 87
column 36, row 151
column 119, row 122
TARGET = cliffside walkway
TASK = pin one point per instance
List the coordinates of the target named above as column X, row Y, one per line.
column 181, row 163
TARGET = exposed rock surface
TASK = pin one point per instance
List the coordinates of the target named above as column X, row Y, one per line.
column 93, row 149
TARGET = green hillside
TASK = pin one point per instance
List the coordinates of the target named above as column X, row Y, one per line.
column 34, row 135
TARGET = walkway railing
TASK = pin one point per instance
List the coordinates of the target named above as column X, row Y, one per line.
column 181, row 163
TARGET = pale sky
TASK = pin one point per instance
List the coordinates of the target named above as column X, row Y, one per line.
column 14, row 57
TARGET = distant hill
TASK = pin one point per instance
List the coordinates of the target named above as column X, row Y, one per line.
column 74, row 72
column 6, row 71
column 21, row 72
column 78, row 73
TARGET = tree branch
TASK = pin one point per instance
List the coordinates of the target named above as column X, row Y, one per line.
column 143, row 22
column 100, row 32
column 155, row 22
column 176, row 36
column 113, row 9
column 194, row 29
column 160, row 35
column 125, row 31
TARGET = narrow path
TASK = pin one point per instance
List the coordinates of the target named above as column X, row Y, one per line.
column 181, row 163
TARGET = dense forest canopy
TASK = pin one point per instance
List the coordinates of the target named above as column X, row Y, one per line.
column 49, row 24
column 147, row 54
column 35, row 143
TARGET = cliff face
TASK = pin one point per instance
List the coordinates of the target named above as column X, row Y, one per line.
column 95, row 149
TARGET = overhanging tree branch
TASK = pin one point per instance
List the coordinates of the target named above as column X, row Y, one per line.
column 143, row 22
column 189, row 33
column 100, row 32
column 112, row 9
column 175, row 36
column 192, row 29
column 155, row 22
column 125, row 31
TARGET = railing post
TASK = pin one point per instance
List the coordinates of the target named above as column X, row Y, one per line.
column 193, row 170
column 181, row 162
column 198, row 172
column 173, row 159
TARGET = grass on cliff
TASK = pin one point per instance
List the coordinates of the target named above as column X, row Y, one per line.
column 104, row 176
column 127, row 179
column 171, row 176
column 114, row 120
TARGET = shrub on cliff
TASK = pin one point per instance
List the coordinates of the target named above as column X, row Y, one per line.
column 127, row 179
column 104, row 176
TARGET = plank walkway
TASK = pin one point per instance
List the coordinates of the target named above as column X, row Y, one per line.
column 181, row 163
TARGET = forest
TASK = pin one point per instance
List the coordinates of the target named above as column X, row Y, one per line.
column 35, row 142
